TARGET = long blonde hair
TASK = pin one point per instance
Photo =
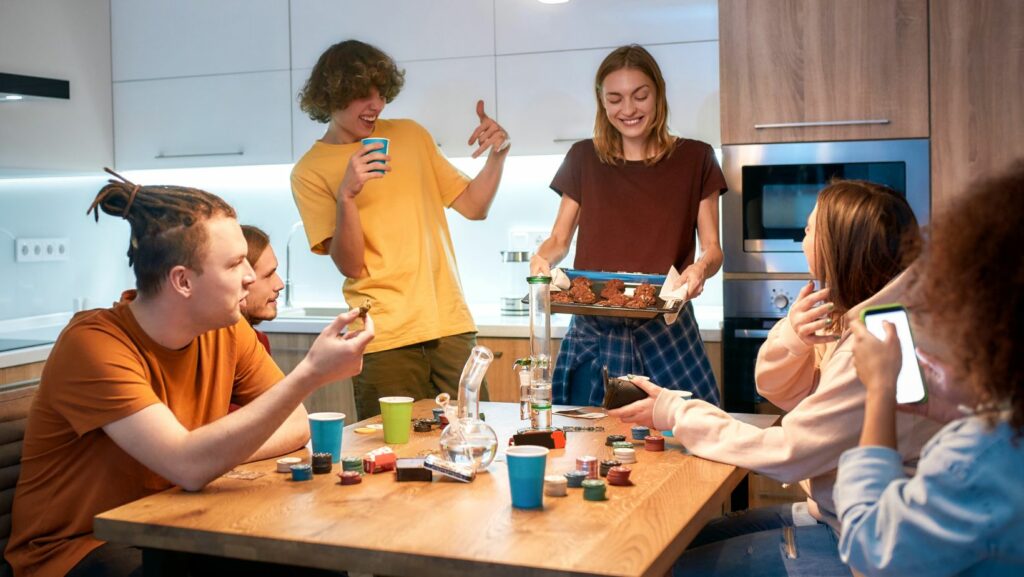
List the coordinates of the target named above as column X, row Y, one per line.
column 608, row 140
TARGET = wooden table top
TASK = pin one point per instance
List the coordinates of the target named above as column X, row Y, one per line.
column 444, row 527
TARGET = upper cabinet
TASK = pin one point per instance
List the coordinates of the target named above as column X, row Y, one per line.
column 405, row 29
column 173, row 38
column 977, row 48
column 526, row 26
column 808, row 70
column 439, row 94
column 547, row 101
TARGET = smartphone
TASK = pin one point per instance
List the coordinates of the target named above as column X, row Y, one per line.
column 910, row 382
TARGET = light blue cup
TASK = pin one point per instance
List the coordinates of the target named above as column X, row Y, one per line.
column 326, row 428
column 686, row 396
column 384, row 150
column 526, row 466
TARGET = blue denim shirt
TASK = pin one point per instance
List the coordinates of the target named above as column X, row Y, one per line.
column 962, row 513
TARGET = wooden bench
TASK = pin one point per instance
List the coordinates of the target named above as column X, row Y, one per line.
column 14, row 406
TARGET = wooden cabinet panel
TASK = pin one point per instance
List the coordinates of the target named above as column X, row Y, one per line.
column 801, row 61
column 977, row 57
column 287, row 350
column 502, row 382
column 20, row 373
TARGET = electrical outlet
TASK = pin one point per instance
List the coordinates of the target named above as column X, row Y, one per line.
column 41, row 249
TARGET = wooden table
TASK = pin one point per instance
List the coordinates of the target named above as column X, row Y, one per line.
column 445, row 527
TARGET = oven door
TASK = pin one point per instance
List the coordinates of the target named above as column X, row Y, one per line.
column 774, row 188
column 741, row 341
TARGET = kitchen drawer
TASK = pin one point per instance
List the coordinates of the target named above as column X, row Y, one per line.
column 226, row 120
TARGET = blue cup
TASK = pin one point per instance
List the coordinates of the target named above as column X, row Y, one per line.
column 384, row 150
column 326, row 428
column 526, row 466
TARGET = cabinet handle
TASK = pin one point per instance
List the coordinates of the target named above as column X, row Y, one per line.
column 750, row 333
column 821, row 123
column 499, row 354
column 560, row 140
column 198, row 155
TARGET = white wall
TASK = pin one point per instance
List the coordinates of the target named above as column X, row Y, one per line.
column 67, row 41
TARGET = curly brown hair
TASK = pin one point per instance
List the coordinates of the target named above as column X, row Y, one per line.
column 346, row 72
column 973, row 289
column 866, row 234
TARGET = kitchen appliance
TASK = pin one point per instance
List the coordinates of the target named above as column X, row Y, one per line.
column 517, row 268
column 772, row 190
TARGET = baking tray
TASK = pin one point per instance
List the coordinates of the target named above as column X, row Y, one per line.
column 630, row 280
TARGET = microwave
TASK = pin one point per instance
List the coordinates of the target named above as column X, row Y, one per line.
column 773, row 189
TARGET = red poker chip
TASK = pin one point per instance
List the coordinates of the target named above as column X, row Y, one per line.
column 350, row 477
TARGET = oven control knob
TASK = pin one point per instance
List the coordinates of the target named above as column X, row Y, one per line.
column 781, row 301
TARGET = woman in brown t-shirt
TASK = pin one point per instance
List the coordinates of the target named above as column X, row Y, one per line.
column 636, row 194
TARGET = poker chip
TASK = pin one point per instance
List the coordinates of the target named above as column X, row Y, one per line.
column 302, row 472
column 622, row 445
column 594, row 490
column 352, row 464
column 626, row 455
column 555, row 485
column 588, row 465
column 574, row 479
column 437, row 412
column 322, row 463
column 652, row 443
column 350, row 477
column 365, row 430
column 619, row 476
column 610, row 440
column 423, row 425
column 284, row 464
column 608, row 464
column 639, row 432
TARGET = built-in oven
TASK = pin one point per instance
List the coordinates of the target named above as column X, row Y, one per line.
column 772, row 190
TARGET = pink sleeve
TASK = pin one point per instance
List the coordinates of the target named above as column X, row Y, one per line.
column 785, row 371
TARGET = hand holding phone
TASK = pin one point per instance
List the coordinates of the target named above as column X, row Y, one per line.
column 910, row 387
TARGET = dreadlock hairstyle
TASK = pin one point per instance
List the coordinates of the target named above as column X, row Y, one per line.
column 162, row 220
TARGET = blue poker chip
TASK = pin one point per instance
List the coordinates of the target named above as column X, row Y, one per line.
column 574, row 479
column 302, row 472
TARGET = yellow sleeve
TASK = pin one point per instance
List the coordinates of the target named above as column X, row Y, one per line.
column 451, row 181
column 317, row 207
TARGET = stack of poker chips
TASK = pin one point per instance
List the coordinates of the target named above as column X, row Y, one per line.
column 284, row 464
column 423, row 425
column 555, row 485
column 350, row 477
column 610, row 440
column 624, row 454
column 302, row 472
column 322, row 463
column 588, row 465
column 639, row 432
column 622, row 445
column 593, row 490
column 608, row 464
column 653, row 443
column 575, row 479
column 619, row 476
column 352, row 464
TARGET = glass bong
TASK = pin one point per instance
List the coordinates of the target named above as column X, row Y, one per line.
column 540, row 352
column 467, row 439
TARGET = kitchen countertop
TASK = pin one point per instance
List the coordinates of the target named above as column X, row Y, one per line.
column 490, row 323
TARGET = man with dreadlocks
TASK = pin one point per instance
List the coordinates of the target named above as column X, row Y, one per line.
column 381, row 219
column 134, row 399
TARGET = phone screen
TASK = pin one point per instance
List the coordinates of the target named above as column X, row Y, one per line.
column 909, row 383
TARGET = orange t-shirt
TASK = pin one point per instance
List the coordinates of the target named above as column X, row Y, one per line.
column 103, row 368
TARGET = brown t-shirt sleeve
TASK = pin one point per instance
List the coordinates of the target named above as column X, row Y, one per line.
column 567, row 179
column 102, row 378
column 255, row 370
column 714, row 180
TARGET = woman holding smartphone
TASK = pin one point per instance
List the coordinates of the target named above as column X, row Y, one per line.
column 962, row 512
column 636, row 194
column 859, row 237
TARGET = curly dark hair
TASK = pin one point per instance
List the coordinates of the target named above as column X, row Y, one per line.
column 973, row 289
column 346, row 72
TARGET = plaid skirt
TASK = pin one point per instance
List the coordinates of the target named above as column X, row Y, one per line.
column 672, row 356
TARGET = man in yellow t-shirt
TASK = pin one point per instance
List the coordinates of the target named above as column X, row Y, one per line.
column 380, row 217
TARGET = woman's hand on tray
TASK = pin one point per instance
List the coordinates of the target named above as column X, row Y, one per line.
column 693, row 276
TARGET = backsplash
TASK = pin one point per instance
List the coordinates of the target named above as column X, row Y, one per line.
column 97, row 269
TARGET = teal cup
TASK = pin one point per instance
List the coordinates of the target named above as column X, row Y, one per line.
column 325, row 429
column 384, row 150
column 526, row 466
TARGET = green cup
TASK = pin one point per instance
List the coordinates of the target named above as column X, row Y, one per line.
column 397, row 415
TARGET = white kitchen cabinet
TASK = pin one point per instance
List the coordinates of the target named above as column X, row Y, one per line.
column 524, row 26
column 223, row 120
column 547, row 101
column 439, row 94
column 172, row 38
column 405, row 29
